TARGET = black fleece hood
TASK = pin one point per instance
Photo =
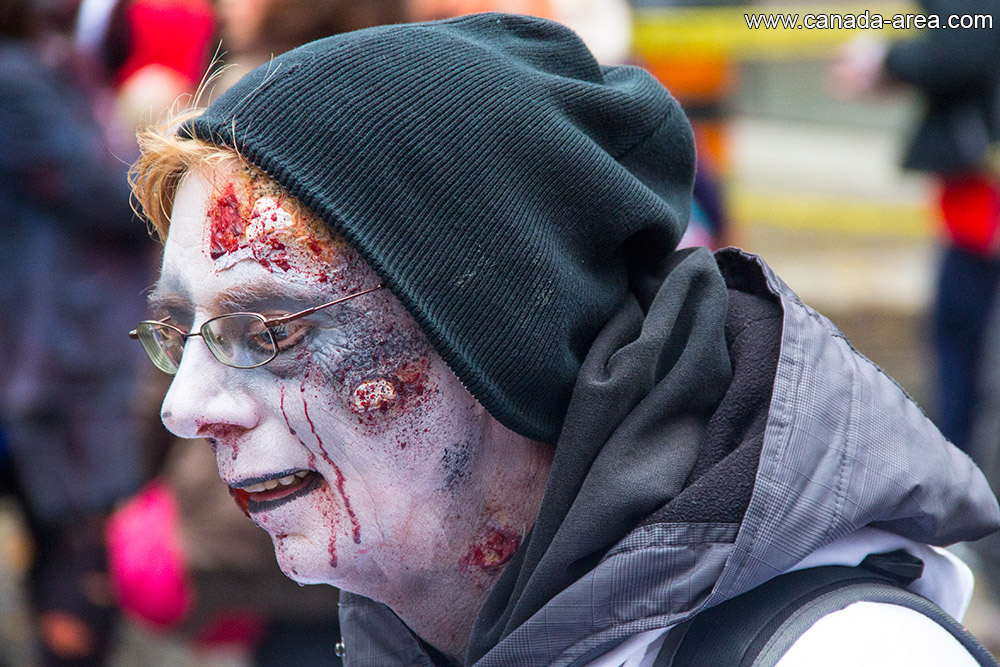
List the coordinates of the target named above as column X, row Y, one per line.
column 506, row 187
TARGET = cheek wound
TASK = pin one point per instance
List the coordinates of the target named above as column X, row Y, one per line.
column 372, row 395
column 400, row 390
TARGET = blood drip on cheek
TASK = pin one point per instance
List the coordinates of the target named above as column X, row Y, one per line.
column 491, row 551
column 340, row 484
column 283, row 414
column 355, row 524
column 334, row 511
column 312, row 426
column 226, row 222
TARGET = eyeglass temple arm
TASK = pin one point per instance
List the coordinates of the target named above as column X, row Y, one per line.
column 277, row 321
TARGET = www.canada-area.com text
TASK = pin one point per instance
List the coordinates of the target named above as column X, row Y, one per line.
column 867, row 21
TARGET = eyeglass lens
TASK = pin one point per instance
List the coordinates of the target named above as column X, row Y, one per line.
column 163, row 344
column 238, row 340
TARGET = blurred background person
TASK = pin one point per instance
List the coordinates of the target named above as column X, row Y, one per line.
column 958, row 73
column 71, row 273
column 604, row 25
column 143, row 53
column 957, row 140
column 255, row 30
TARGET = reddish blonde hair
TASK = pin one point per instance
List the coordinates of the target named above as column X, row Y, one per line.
column 164, row 158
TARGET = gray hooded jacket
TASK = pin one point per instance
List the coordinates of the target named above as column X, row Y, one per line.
column 829, row 444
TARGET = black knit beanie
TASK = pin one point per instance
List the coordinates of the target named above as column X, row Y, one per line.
column 505, row 186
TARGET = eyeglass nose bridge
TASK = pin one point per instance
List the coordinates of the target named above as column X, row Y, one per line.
column 200, row 334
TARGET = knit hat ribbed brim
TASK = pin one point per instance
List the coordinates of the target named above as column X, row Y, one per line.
column 504, row 185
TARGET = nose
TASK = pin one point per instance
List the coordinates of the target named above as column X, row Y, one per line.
column 204, row 396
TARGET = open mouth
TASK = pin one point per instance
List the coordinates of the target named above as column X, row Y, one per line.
column 268, row 494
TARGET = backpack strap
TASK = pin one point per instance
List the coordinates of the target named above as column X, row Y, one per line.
column 757, row 628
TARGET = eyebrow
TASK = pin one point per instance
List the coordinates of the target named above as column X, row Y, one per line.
column 243, row 297
column 171, row 294
column 168, row 293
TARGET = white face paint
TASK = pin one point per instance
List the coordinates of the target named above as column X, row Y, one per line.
column 388, row 476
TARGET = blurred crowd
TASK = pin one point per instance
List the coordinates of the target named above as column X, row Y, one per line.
column 956, row 73
column 126, row 521
column 121, row 517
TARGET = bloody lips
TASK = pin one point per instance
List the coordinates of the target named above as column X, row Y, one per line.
column 260, row 495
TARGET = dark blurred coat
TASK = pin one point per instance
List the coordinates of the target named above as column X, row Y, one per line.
column 958, row 70
column 72, row 270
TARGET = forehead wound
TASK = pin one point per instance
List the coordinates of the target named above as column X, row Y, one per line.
column 250, row 217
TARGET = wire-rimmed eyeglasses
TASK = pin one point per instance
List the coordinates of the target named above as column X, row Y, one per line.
column 239, row 340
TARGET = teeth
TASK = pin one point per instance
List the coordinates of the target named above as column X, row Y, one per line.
column 272, row 484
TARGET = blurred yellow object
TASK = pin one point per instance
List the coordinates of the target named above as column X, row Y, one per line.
column 723, row 32
column 799, row 211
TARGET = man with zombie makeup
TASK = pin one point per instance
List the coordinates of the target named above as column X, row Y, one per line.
column 433, row 323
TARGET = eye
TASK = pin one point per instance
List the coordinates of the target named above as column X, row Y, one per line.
column 290, row 334
column 286, row 336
